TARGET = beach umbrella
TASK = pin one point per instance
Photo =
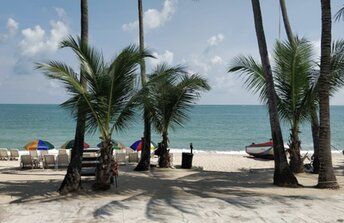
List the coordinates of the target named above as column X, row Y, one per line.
column 116, row 145
column 70, row 143
column 137, row 146
column 39, row 144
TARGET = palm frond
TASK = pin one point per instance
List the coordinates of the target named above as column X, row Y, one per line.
column 253, row 75
column 339, row 15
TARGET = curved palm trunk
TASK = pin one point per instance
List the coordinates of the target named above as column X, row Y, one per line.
column 326, row 178
column 72, row 180
column 103, row 170
column 283, row 176
column 286, row 21
column 145, row 154
column 315, row 134
column 296, row 163
column 164, row 158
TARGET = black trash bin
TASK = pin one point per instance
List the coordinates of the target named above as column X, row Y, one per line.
column 187, row 160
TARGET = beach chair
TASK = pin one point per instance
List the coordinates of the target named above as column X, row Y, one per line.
column 26, row 161
column 62, row 160
column 120, row 158
column 48, row 161
column 128, row 151
column 14, row 154
column 42, row 154
column 62, row 151
column 133, row 158
column 33, row 154
column 4, row 154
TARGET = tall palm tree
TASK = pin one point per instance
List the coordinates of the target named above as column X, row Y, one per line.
column 72, row 180
column 326, row 178
column 171, row 93
column 283, row 176
column 108, row 104
column 145, row 154
column 293, row 63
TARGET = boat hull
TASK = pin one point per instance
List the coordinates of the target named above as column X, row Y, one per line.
column 261, row 150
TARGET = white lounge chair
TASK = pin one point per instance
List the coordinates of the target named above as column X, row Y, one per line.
column 120, row 158
column 42, row 154
column 26, row 161
column 133, row 158
column 62, row 160
column 62, row 151
column 33, row 154
column 4, row 154
column 48, row 161
column 14, row 154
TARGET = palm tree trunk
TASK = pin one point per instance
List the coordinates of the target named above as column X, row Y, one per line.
column 164, row 158
column 296, row 163
column 315, row 134
column 326, row 178
column 144, row 163
column 104, row 171
column 283, row 176
column 72, row 180
column 286, row 21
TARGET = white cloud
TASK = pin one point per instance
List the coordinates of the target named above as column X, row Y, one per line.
column 166, row 57
column 35, row 40
column 216, row 60
column 152, row 18
column 216, row 40
column 61, row 12
column 12, row 25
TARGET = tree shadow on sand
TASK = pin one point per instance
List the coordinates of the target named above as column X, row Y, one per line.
column 161, row 192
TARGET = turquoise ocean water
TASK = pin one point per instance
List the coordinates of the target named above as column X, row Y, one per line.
column 210, row 128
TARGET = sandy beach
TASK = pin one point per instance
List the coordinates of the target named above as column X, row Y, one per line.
column 219, row 188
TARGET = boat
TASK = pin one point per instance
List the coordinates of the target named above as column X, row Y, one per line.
column 261, row 150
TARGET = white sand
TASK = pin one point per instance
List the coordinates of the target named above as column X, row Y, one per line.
column 230, row 188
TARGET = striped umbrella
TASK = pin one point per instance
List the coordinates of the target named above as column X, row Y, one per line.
column 39, row 144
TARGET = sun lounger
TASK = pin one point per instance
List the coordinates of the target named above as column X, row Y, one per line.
column 133, row 158
column 34, row 154
column 62, row 151
column 14, row 154
column 26, row 161
column 4, row 154
column 42, row 154
column 48, row 161
column 120, row 158
column 62, row 161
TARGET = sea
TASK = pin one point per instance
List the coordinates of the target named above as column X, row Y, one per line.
column 210, row 128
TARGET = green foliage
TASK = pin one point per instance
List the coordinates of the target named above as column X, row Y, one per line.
column 169, row 95
column 109, row 99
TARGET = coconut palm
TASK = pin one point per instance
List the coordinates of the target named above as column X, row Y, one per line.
column 326, row 178
column 145, row 155
column 283, row 176
column 292, row 83
column 171, row 94
column 72, row 180
column 108, row 103
column 337, row 81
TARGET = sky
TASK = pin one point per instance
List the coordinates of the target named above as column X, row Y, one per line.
column 203, row 35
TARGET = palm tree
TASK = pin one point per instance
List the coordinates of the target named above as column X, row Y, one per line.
column 145, row 155
column 283, row 176
column 326, row 178
column 171, row 93
column 108, row 103
column 72, row 180
column 292, row 83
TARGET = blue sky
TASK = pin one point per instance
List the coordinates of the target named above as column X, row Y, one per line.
column 204, row 35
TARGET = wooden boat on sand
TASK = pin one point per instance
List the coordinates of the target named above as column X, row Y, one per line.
column 261, row 150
